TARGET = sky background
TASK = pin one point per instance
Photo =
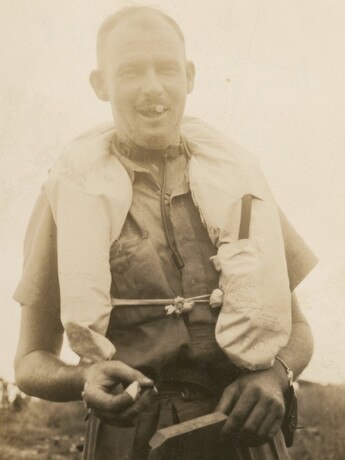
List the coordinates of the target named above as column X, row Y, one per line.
column 270, row 74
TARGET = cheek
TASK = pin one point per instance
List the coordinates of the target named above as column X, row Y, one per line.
column 177, row 91
column 121, row 102
column 122, row 93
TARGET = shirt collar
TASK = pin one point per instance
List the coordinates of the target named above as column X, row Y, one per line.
column 180, row 169
column 130, row 166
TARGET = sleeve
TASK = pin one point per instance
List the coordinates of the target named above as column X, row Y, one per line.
column 300, row 258
column 39, row 284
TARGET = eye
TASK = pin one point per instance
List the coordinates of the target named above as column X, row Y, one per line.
column 129, row 72
column 168, row 68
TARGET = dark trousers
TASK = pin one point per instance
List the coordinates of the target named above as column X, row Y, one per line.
column 106, row 442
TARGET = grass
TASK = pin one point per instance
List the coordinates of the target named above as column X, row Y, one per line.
column 42, row 431
column 322, row 414
column 52, row 431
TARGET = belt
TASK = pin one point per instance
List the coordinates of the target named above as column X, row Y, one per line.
column 184, row 390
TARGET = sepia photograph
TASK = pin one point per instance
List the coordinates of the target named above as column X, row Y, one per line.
column 172, row 230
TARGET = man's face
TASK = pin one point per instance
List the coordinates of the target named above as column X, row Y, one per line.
column 146, row 79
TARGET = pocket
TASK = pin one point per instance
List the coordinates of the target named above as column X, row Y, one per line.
column 123, row 283
column 136, row 270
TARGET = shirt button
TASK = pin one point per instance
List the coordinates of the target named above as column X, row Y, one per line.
column 120, row 269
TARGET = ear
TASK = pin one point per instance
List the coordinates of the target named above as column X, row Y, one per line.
column 97, row 83
column 190, row 76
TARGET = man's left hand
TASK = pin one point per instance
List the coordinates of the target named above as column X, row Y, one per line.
column 255, row 404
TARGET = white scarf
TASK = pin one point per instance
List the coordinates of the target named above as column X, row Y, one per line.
column 90, row 195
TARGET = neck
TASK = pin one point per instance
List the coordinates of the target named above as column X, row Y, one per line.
column 135, row 152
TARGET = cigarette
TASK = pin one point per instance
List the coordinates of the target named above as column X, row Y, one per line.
column 133, row 390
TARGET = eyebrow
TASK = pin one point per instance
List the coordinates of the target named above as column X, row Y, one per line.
column 139, row 62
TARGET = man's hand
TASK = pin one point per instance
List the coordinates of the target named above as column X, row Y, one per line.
column 255, row 404
column 104, row 394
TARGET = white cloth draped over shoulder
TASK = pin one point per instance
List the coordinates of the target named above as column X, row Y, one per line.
column 90, row 195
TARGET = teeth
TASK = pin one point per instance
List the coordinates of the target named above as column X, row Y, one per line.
column 159, row 108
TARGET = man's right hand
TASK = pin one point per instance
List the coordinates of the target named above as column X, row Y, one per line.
column 104, row 394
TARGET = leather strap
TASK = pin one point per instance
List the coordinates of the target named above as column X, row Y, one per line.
column 245, row 217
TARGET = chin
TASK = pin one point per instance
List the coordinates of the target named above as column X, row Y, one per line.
column 158, row 141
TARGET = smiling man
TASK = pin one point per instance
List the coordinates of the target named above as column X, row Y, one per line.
column 160, row 249
column 142, row 67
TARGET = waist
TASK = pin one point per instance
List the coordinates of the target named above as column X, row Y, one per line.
column 187, row 391
column 171, row 348
column 210, row 377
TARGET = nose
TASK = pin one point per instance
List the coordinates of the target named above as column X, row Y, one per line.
column 151, row 84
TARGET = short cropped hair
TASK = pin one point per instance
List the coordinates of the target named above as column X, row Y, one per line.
column 112, row 21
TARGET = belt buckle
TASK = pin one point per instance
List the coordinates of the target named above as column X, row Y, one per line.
column 189, row 394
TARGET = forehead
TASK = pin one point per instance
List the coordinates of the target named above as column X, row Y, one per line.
column 143, row 35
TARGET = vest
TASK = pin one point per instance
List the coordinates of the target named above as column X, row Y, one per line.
column 90, row 195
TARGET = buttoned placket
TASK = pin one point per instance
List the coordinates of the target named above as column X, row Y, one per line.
column 172, row 188
column 165, row 200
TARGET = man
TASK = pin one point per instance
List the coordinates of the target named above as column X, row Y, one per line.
column 163, row 251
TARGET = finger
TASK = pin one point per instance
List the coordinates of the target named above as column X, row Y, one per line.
column 274, row 411
column 128, row 416
column 261, row 439
column 228, row 399
column 269, row 422
column 138, row 406
column 239, row 414
column 256, row 429
column 276, row 426
column 96, row 397
column 252, row 424
column 115, row 419
column 118, row 370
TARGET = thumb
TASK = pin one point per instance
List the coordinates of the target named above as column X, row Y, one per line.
column 118, row 370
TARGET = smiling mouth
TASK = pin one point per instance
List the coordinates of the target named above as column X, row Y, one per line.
column 155, row 111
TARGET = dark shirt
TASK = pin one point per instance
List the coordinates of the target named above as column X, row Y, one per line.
column 142, row 266
column 165, row 348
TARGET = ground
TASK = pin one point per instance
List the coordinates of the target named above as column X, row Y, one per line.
column 52, row 431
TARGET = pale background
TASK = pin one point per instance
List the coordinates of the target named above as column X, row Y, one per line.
column 271, row 75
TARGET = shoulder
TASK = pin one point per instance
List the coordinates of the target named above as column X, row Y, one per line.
column 199, row 133
column 220, row 156
column 87, row 165
column 84, row 153
column 300, row 259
